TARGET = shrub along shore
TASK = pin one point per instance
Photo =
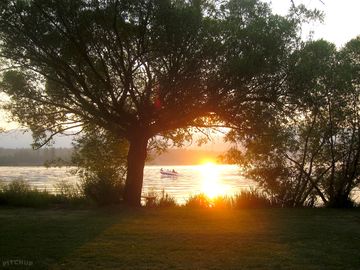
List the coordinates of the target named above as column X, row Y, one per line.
column 247, row 231
column 20, row 194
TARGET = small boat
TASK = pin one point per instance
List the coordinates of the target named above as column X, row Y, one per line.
column 168, row 172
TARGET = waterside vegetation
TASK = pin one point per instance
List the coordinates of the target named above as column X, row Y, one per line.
column 19, row 193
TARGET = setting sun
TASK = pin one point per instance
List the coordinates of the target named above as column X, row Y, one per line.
column 211, row 185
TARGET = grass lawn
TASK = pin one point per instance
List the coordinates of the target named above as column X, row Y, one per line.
column 180, row 239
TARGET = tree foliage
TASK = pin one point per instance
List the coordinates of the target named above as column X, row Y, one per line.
column 312, row 154
column 101, row 164
column 143, row 69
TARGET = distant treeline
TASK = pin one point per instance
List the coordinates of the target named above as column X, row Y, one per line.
column 55, row 156
column 30, row 157
column 184, row 157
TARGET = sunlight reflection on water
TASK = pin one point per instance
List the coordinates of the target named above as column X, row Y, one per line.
column 215, row 180
column 192, row 180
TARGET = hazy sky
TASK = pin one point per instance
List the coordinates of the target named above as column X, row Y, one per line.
column 341, row 23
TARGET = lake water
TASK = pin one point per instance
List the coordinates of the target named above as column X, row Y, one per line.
column 210, row 179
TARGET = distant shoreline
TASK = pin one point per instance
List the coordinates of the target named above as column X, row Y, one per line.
column 43, row 157
column 146, row 165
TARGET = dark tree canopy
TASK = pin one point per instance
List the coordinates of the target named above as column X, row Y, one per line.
column 313, row 154
column 142, row 68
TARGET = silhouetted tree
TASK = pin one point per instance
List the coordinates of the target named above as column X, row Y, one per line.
column 313, row 152
column 141, row 69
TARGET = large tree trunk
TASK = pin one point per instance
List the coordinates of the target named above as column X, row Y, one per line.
column 135, row 170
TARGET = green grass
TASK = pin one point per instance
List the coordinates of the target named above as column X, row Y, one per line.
column 182, row 238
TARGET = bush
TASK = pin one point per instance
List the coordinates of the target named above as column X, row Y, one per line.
column 20, row 193
column 166, row 201
column 253, row 199
column 68, row 193
column 153, row 199
column 222, row 202
column 203, row 201
column 100, row 158
column 245, row 199
column 104, row 188
column 18, row 186
column 68, row 190
column 198, row 201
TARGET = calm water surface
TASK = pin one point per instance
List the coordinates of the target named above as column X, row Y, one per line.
column 210, row 179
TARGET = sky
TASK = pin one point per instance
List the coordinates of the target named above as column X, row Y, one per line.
column 341, row 23
column 341, row 18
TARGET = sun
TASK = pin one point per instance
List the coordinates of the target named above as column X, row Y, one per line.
column 211, row 182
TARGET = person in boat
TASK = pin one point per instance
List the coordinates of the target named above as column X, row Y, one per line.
column 174, row 171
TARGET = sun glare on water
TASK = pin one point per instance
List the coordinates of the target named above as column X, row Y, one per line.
column 211, row 182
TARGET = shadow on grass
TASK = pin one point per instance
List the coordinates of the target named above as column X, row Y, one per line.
column 36, row 239
column 182, row 238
